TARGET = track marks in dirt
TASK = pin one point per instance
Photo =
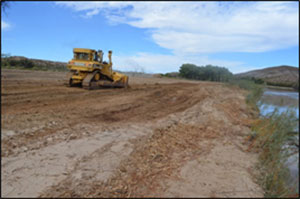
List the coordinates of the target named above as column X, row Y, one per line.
column 138, row 104
column 156, row 103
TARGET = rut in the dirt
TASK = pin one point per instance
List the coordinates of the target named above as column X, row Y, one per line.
column 35, row 115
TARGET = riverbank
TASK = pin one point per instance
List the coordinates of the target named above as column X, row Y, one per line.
column 282, row 88
column 271, row 137
column 284, row 105
column 273, row 129
column 274, row 135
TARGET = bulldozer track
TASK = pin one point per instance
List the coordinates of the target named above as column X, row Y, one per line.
column 87, row 82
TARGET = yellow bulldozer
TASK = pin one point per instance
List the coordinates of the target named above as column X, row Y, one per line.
column 88, row 70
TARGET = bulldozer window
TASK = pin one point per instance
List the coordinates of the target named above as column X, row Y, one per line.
column 95, row 56
column 81, row 56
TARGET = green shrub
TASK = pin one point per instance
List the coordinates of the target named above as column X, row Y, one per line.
column 255, row 91
column 13, row 62
column 273, row 133
column 258, row 81
column 26, row 63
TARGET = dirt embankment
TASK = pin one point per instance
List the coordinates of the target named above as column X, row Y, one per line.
column 161, row 137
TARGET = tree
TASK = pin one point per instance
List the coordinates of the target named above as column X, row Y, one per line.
column 208, row 72
column 188, row 71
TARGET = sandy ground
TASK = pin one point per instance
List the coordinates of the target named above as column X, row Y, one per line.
column 161, row 137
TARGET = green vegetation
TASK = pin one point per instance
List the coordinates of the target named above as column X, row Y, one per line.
column 172, row 75
column 206, row 73
column 271, row 137
column 255, row 90
column 24, row 63
column 295, row 86
column 284, row 84
column 222, row 74
column 254, row 79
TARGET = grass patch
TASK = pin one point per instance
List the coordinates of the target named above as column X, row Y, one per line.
column 272, row 135
column 255, row 91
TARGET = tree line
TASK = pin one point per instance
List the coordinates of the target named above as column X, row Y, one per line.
column 206, row 73
column 25, row 63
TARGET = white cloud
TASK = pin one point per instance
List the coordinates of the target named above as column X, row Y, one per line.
column 4, row 25
column 93, row 8
column 206, row 27
column 190, row 29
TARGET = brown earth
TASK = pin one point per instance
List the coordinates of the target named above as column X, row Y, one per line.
column 161, row 137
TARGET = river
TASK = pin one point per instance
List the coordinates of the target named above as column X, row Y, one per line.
column 283, row 100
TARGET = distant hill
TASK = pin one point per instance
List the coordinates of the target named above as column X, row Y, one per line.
column 278, row 75
column 38, row 64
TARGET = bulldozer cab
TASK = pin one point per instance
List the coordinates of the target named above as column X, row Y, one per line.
column 84, row 54
column 81, row 56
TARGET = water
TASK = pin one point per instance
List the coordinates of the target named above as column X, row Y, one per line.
column 283, row 100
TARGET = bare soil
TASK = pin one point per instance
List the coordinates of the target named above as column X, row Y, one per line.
column 160, row 137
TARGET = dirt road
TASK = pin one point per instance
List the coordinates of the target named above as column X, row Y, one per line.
column 161, row 137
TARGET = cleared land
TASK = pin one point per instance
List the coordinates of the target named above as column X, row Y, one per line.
column 161, row 137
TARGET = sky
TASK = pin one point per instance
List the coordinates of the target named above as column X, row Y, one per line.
column 157, row 37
